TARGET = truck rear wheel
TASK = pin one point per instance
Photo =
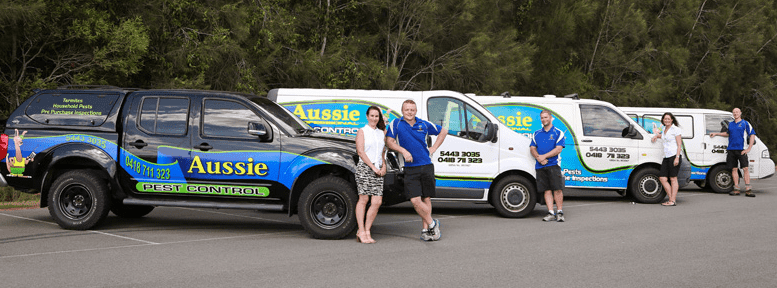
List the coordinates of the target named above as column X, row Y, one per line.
column 130, row 211
column 645, row 186
column 513, row 197
column 78, row 200
column 720, row 179
column 326, row 208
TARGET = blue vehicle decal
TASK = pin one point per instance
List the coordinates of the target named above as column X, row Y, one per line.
column 339, row 116
column 524, row 118
column 174, row 165
column 463, row 182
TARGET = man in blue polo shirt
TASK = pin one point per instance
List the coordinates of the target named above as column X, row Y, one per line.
column 738, row 133
column 410, row 132
column 546, row 144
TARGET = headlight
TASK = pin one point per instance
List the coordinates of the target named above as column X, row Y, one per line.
column 765, row 154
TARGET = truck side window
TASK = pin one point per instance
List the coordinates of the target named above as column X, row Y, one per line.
column 601, row 121
column 164, row 115
column 227, row 119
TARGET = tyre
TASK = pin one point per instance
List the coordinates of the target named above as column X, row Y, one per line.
column 78, row 200
column 514, row 197
column 326, row 208
column 645, row 186
column 701, row 183
column 130, row 211
column 720, row 179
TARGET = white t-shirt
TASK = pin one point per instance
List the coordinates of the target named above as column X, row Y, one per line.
column 374, row 141
column 670, row 142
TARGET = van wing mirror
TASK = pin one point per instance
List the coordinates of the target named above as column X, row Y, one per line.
column 631, row 132
column 724, row 126
column 491, row 132
column 260, row 130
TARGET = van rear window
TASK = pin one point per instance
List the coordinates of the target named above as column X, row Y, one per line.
column 72, row 109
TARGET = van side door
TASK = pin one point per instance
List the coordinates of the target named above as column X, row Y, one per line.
column 606, row 154
column 465, row 163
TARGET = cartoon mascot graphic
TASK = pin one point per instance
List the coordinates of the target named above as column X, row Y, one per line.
column 17, row 163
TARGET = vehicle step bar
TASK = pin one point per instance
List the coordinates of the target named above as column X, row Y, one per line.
column 194, row 204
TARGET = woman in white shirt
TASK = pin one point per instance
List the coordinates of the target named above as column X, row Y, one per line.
column 670, row 166
column 370, row 145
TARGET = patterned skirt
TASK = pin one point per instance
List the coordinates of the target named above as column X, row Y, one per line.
column 367, row 182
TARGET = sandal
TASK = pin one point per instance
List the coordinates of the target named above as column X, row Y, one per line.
column 749, row 192
column 669, row 204
column 734, row 192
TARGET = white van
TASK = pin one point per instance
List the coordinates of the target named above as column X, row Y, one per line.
column 605, row 149
column 706, row 154
column 481, row 160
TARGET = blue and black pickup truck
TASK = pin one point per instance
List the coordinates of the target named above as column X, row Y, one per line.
column 91, row 150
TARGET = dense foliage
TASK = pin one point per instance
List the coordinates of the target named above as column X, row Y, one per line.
column 665, row 53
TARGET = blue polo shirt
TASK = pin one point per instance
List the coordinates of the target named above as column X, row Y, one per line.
column 546, row 141
column 413, row 138
column 738, row 133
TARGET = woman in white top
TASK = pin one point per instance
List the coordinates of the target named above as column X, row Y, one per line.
column 370, row 145
column 672, row 137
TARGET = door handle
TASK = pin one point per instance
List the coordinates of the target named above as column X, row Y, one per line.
column 139, row 144
column 586, row 140
column 204, row 147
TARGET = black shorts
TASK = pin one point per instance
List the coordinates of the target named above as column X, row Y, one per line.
column 549, row 178
column 668, row 169
column 735, row 156
column 419, row 181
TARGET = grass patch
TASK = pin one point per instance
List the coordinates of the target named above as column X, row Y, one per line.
column 12, row 199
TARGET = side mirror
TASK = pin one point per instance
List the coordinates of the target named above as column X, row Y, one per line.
column 260, row 130
column 724, row 126
column 491, row 132
column 631, row 132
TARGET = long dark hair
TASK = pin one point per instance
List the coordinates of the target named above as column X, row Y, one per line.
column 381, row 125
column 674, row 120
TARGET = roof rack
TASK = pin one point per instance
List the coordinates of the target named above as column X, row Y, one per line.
column 67, row 87
column 573, row 96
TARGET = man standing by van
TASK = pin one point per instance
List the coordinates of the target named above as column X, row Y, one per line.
column 410, row 133
column 738, row 132
column 546, row 144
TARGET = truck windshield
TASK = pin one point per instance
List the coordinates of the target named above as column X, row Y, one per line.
column 288, row 121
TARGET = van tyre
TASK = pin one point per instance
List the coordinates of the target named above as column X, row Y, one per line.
column 720, row 180
column 645, row 186
column 514, row 197
column 78, row 200
column 326, row 208
column 130, row 211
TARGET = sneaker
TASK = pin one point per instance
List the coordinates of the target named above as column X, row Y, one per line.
column 549, row 217
column 560, row 217
column 435, row 232
column 425, row 235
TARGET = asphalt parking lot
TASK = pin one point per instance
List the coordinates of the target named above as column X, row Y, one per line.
column 707, row 240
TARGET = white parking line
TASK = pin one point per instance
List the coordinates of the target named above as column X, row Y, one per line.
column 141, row 245
column 93, row 231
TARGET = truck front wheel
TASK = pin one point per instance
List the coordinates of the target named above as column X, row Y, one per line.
column 645, row 186
column 513, row 197
column 326, row 208
column 78, row 200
